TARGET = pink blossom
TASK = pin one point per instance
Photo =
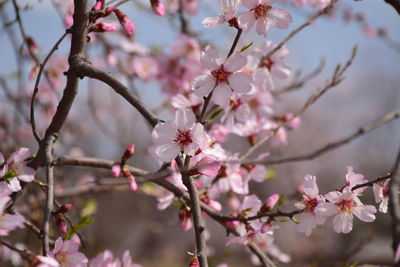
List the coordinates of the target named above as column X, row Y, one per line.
column 145, row 67
column 106, row 259
column 381, row 195
column 264, row 15
column 131, row 178
column 207, row 166
column 45, row 261
column 15, row 170
column 229, row 9
column 191, row 101
column 345, row 204
column 67, row 254
column 185, row 219
column 181, row 135
column 157, row 7
column 104, row 27
column 116, row 169
column 269, row 203
column 126, row 23
column 353, row 179
column 311, row 199
column 224, row 78
column 8, row 222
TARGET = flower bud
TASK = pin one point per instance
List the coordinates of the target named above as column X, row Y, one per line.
column 116, row 169
column 194, row 262
column 61, row 224
column 126, row 23
column 103, row 27
column 128, row 152
column 64, row 208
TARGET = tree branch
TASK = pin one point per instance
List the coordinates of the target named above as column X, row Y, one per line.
column 394, row 205
column 395, row 4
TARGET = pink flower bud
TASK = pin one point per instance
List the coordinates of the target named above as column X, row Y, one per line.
column 126, row 23
column 269, row 203
column 159, row 9
column 185, row 219
column 128, row 152
column 109, row 10
column 104, row 27
column 68, row 20
column 64, row 208
column 132, row 183
column 99, row 5
column 231, row 224
column 116, row 169
column 61, row 224
column 194, row 262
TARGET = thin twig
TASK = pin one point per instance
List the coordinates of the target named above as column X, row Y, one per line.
column 235, row 42
column 49, row 194
column 298, row 29
column 335, row 144
column 395, row 4
column 337, row 78
column 394, row 206
column 87, row 70
column 36, row 88
column 198, row 224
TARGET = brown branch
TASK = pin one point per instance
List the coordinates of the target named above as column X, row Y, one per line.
column 336, row 79
column 195, row 210
column 157, row 178
column 76, row 56
column 335, row 144
column 23, row 253
column 87, row 70
column 49, row 194
column 298, row 29
column 371, row 183
column 395, row 4
column 36, row 88
column 301, row 81
column 394, row 205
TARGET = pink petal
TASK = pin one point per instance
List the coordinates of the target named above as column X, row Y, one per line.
column 210, row 22
column 262, row 27
column 343, row 222
column 246, row 21
column 222, row 94
column 279, row 18
column 164, row 133
column 364, row 212
column 167, row 152
column 209, row 58
column 235, row 62
column 250, row 4
column 240, row 82
column 203, row 85
column 310, row 186
column 184, row 119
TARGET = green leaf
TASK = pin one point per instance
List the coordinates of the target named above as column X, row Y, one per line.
column 280, row 220
column 215, row 114
column 270, row 174
column 281, row 200
column 84, row 221
column 89, row 207
column 10, row 174
column 295, row 220
column 245, row 47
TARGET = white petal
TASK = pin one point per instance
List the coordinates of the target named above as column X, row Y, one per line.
column 209, row 58
column 222, row 94
column 250, row 3
column 164, row 133
column 14, row 184
column 279, row 17
column 262, row 27
column 198, row 135
column 334, row 196
column 310, row 186
column 203, row 85
column 307, row 223
column 235, row 62
column 184, row 119
column 364, row 212
column 167, row 152
column 343, row 222
column 210, row 22
column 246, row 21
column 240, row 82
column 325, row 209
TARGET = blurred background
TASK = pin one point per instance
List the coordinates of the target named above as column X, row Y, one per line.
column 101, row 125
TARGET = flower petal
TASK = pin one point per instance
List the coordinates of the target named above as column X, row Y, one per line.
column 235, row 62
column 167, row 152
column 246, row 21
column 203, row 85
column 222, row 94
column 240, row 82
column 184, row 119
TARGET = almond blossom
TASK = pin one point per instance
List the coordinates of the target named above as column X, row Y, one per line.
column 229, row 9
column 381, row 194
column 344, row 205
column 106, row 259
column 15, row 170
column 67, row 254
column 353, row 179
column 8, row 222
column 182, row 135
column 264, row 15
column 311, row 199
column 224, row 78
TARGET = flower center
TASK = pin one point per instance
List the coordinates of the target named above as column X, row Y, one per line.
column 61, row 256
column 220, row 75
column 261, row 10
column 235, row 103
column 268, row 63
column 346, row 205
column 310, row 204
column 183, row 138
